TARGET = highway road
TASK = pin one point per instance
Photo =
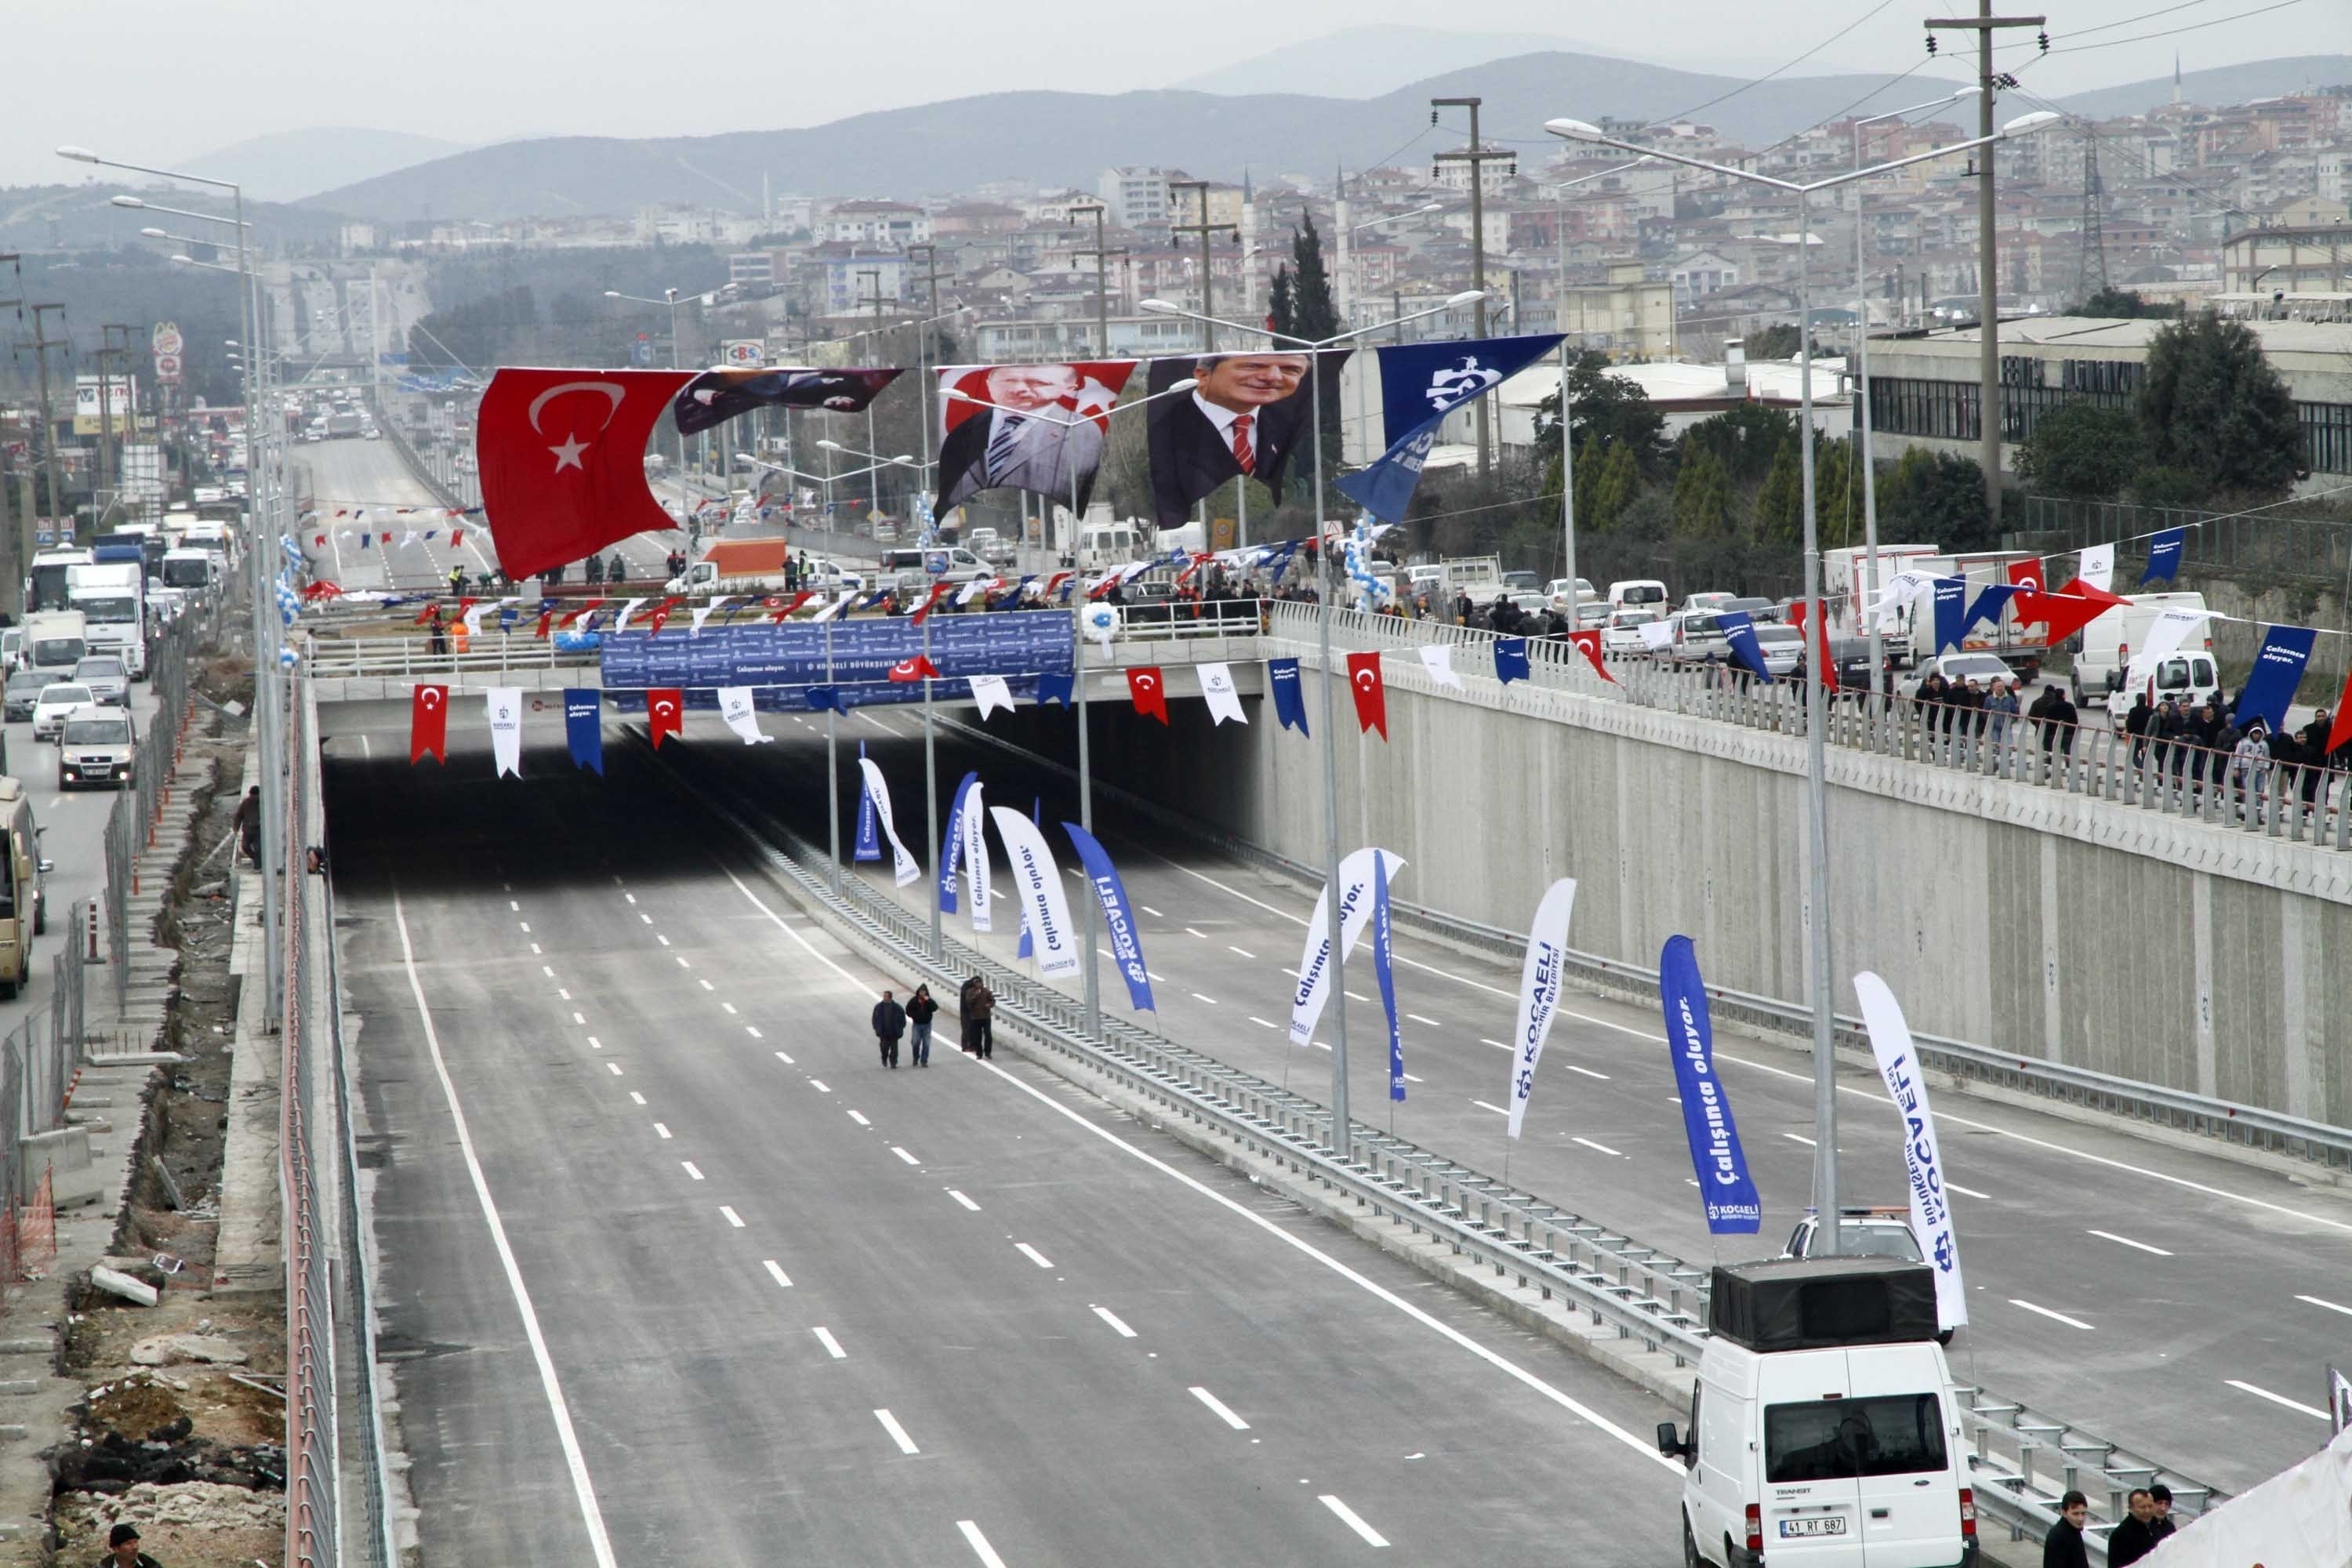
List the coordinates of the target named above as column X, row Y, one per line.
column 2166, row 1298
column 675, row 1271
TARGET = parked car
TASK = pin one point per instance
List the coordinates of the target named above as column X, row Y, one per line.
column 1693, row 602
column 1558, row 589
column 1697, row 635
column 58, row 699
column 1757, row 609
column 1621, row 636
column 1516, row 581
column 1851, row 658
column 103, row 674
column 12, row 646
column 1877, row 1230
column 1782, row 648
column 1957, row 667
column 25, row 688
column 96, row 747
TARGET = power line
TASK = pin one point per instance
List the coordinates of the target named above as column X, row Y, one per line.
column 2171, row 32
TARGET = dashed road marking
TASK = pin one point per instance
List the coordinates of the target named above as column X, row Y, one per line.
column 660, row 1130
column 1213, row 1402
column 1602, row 1148
column 832, row 1346
column 732, row 1217
column 1034, row 1255
column 963, row 1200
column 979, row 1544
column 1108, row 1316
column 690, row 1170
column 898, row 1433
column 2055, row 1317
column 1348, row 1517
column 904, row 1155
column 859, row 1118
column 776, row 1272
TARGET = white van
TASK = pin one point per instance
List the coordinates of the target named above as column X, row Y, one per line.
column 1638, row 594
column 1824, row 1428
column 2105, row 652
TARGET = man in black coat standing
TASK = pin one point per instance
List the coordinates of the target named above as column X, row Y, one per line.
column 2063, row 1547
column 890, row 1026
column 2134, row 1538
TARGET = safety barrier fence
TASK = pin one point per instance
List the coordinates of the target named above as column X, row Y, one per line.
column 137, row 809
column 1652, row 1300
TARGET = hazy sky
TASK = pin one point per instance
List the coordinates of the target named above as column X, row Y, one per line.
column 156, row 80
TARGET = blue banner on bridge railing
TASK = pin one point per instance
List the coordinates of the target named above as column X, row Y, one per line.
column 781, row 661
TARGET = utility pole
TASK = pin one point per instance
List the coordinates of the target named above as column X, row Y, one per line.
column 2092, row 279
column 923, row 387
column 1102, row 268
column 15, row 537
column 1478, row 158
column 42, row 345
column 1984, row 24
column 1204, row 228
column 119, row 350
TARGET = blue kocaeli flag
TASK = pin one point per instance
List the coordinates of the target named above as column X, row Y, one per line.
column 1055, row 689
column 1717, row 1160
column 823, row 700
column 1951, row 620
column 1384, row 969
column 952, row 845
column 2278, row 670
column 1289, row 706
column 1035, row 805
column 1420, row 383
column 583, row 725
column 1510, row 659
column 2164, row 555
column 1991, row 600
column 869, row 843
column 1740, row 635
column 1119, row 920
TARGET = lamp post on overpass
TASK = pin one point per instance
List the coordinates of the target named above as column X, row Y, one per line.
column 1342, row 1138
column 1816, row 913
column 1077, row 687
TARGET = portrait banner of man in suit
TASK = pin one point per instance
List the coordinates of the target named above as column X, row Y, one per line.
column 714, row 397
column 1018, row 436
column 1249, row 415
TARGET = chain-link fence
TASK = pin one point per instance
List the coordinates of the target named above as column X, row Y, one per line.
column 2318, row 548
column 139, row 808
column 337, row 1486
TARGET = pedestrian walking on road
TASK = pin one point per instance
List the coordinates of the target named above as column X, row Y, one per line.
column 921, row 1011
column 979, row 1011
column 123, row 1550
column 889, row 1026
column 2063, row 1547
column 2134, row 1538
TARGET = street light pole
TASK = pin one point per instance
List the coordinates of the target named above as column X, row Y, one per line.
column 1476, row 157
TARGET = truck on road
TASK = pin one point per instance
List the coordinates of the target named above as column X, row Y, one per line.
column 2018, row 644
column 55, row 641
column 112, row 598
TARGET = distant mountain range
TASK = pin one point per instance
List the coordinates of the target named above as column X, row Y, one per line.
column 1358, row 62
column 289, row 164
column 1067, row 139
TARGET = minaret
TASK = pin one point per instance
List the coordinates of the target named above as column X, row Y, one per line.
column 2176, row 78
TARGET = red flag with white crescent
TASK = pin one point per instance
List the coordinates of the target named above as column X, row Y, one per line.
column 1589, row 644
column 915, row 668
column 1372, row 692
column 785, row 607
column 571, row 615
column 665, row 709
column 562, row 461
column 456, row 537
column 428, row 723
column 660, row 617
column 929, row 600
column 1150, row 690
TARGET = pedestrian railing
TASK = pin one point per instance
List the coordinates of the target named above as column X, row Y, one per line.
column 1652, row 1300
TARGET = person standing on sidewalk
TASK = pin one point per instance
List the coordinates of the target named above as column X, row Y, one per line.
column 2063, row 1547
column 890, row 1025
column 921, row 1011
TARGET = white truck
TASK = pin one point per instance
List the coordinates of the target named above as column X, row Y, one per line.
column 2016, row 643
column 2103, row 659
column 112, row 599
column 1846, row 581
column 55, row 641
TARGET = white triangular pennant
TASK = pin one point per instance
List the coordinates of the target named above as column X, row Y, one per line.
column 504, row 706
column 991, row 692
column 735, row 707
column 1437, row 657
column 1217, row 686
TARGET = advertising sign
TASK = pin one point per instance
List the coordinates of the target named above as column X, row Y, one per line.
column 742, row 352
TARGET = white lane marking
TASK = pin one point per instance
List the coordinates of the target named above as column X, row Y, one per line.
column 661, row 939
column 1348, row 1517
column 963, row 1200
column 1495, row 1108
column 1586, row 1071
column 786, row 1059
column 514, row 906
column 1212, row 1001
column 1419, row 1019
column 563, row 994
column 2277, row 1398
column 1800, row 1138
column 584, row 1491
column 595, row 1044
column 1161, row 978
column 615, row 1067
column 1213, row 1402
column 832, row 1346
column 979, row 1544
column 682, row 964
column 2329, row 1305
column 1243, row 950
column 1409, row 1078
column 631, row 897
column 534, row 948
column 578, row 1018
column 904, row 1155
column 1496, row 1044
column 898, row 1433
column 1645, row 1446
column 1972, row 1192
column 776, row 1272
column 547, row 969
column 1201, row 934
column 635, row 1096
column 2122, row 1241
column 690, row 1170
column 660, row 1129
column 1147, row 909
column 732, row 1217
column 1108, row 1316
column 753, row 1030
column 705, row 984
column 1353, row 997
column 646, row 919
column 729, row 1006
column 859, row 1118
column 1603, row 1148
column 2058, row 1317
column 1262, row 1023
column 526, row 927
column 1034, row 1255
column 819, row 1084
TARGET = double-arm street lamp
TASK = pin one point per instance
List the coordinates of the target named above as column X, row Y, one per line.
column 1342, row 1134
column 1825, row 1192
column 673, row 300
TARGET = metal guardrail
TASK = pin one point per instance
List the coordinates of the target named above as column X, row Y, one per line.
column 1648, row 1296
column 138, row 807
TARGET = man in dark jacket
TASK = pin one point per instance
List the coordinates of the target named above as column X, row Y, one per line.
column 123, row 1550
column 2317, row 762
column 2063, row 1547
column 2133, row 1539
column 889, row 1026
column 2059, row 724
column 2160, row 1521
column 920, row 1010
column 2136, row 725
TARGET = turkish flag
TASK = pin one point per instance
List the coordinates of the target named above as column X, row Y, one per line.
column 544, row 617
column 1824, row 666
column 929, row 600
column 1149, row 688
column 562, row 461
column 1372, row 692
column 456, row 537
column 915, row 668
column 2028, row 575
column 571, row 616
column 794, row 603
column 1589, row 644
column 428, row 723
column 666, row 706
column 320, row 540
column 660, row 617
column 2069, row 611
column 2341, row 730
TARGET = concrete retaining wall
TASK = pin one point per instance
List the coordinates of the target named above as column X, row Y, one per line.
column 2048, row 924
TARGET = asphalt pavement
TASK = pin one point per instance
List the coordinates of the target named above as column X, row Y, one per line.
column 2176, row 1300
column 694, row 1279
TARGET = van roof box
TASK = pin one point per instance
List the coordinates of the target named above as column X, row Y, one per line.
column 1820, row 1303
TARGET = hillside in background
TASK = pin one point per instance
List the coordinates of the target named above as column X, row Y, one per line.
column 2222, row 84
column 291, row 164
